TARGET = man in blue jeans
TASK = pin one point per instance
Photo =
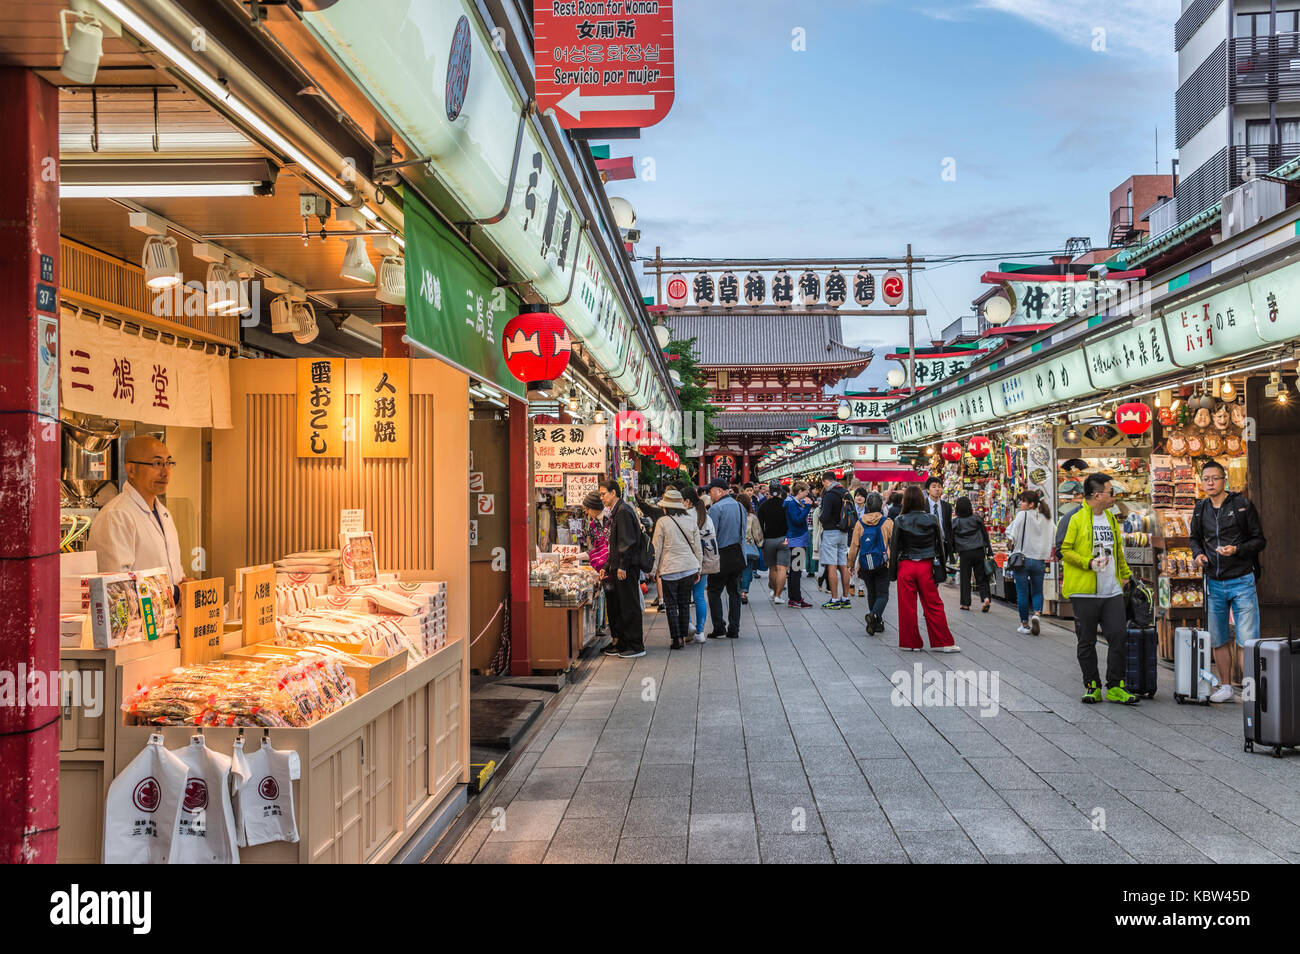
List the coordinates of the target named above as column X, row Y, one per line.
column 1227, row 539
column 729, row 520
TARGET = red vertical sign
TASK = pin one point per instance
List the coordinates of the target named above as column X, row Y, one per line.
column 604, row 63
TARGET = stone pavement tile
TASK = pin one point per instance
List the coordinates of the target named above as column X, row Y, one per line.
column 1007, row 773
column 998, row 831
column 1046, row 810
column 821, row 731
column 859, row 838
column 884, row 774
column 976, row 743
column 722, row 838
column 573, row 753
column 1085, row 847
column 530, row 821
column 936, row 758
column 720, row 766
column 776, row 748
column 1042, row 756
column 669, row 752
column 586, row 841
column 472, row 841
column 1032, row 858
column 657, row 817
column 787, row 819
column 573, row 729
column 549, row 783
column 594, row 799
column 1211, row 836
column 840, row 793
column 1079, row 786
column 781, row 777
column 810, row 848
column 1124, row 775
column 511, row 853
column 939, row 847
column 873, row 745
column 612, row 766
column 835, row 759
column 622, row 739
column 721, row 795
column 964, row 790
column 662, row 781
column 927, row 816
column 665, row 850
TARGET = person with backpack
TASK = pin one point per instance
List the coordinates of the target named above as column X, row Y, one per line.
column 857, row 585
column 970, row 540
column 1030, row 535
column 838, row 517
column 677, row 563
column 752, row 546
column 729, row 518
column 869, row 554
column 797, row 508
column 1227, row 539
column 1093, row 574
column 774, row 542
column 627, row 551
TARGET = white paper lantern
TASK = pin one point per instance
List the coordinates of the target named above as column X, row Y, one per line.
column 676, row 290
column 836, row 288
column 810, row 288
column 864, row 288
column 891, row 288
column 728, row 290
column 782, row 289
column 755, row 289
column 896, row 377
column 704, row 289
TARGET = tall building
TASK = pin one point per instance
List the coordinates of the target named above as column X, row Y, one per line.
column 768, row 374
column 1237, row 109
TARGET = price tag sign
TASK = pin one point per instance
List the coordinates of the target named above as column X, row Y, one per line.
column 352, row 521
column 200, row 620
column 148, row 619
column 258, row 602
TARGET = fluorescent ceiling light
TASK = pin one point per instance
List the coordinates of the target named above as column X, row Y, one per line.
column 361, row 329
column 215, row 190
column 141, row 28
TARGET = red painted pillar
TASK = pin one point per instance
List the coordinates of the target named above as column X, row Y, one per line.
column 29, row 471
column 744, row 468
column 521, row 537
column 391, row 337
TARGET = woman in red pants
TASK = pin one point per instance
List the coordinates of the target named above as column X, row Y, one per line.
column 914, row 545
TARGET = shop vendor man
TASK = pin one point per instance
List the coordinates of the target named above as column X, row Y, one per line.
column 134, row 531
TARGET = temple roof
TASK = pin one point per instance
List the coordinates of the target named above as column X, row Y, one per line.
column 767, row 339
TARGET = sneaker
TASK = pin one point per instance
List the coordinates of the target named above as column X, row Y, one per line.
column 631, row 654
column 912, row 649
column 613, row 649
column 689, row 638
column 831, row 604
column 1222, row 694
column 717, row 635
column 804, row 604
column 1121, row 695
column 1091, row 693
column 948, row 649
column 1034, row 626
column 699, row 637
column 793, row 605
column 676, row 644
column 1023, row 630
column 845, row 604
column 744, row 598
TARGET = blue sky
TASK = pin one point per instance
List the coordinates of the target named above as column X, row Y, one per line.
column 837, row 151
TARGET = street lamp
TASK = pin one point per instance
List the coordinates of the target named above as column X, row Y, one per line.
column 843, row 412
column 812, row 431
column 895, row 377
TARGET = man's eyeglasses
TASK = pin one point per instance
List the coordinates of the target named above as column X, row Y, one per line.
column 156, row 464
column 1206, row 478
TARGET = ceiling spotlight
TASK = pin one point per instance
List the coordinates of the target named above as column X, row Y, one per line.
column 83, row 49
column 391, row 288
column 161, row 263
column 222, row 292
column 356, row 263
column 240, row 272
column 283, row 320
column 360, row 329
column 305, row 319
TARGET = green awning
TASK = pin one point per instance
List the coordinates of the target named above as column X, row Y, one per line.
column 453, row 305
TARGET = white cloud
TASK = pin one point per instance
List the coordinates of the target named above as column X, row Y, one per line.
column 1132, row 27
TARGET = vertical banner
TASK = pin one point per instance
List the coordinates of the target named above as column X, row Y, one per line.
column 385, row 407
column 200, row 620
column 258, row 604
column 320, row 407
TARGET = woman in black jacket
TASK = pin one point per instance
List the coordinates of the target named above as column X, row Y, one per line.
column 914, row 546
column 971, row 541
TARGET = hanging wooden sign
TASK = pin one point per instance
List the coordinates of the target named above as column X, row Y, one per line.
column 319, row 416
column 385, row 407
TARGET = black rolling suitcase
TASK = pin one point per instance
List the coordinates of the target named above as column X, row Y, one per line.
column 1142, row 661
column 1271, row 706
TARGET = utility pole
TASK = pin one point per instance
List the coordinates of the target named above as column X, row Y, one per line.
column 659, row 277
column 911, row 327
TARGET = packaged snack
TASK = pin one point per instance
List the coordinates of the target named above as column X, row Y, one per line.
column 115, row 610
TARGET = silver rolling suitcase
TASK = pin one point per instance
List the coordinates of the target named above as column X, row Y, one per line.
column 1271, row 705
column 1192, row 680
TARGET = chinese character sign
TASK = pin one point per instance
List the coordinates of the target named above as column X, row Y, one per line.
column 573, row 448
column 385, row 427
column 319, row 413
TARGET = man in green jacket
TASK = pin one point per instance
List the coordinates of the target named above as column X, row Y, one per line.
column 1092, row 557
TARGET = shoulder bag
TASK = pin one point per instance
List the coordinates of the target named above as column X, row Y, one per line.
column 937, row 568
column 1016, row 561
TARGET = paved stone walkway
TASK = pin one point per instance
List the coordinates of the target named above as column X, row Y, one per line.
column 784, row 746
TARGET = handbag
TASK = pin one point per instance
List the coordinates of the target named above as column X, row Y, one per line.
column 938, row 569
column 1016, row 561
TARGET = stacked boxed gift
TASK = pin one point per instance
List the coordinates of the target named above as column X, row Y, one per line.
column 418, row 609
column 308, row 566
column 376, row 635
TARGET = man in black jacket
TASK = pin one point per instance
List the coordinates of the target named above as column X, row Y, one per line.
column 1227, row 539
column 942, row 511
column 624, row 567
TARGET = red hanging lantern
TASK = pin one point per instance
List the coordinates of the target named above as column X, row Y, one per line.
column 951, row 452
column 1133, row 418
column 839, row 473
column 536, row 346
column 979, row 447
column 629, row 425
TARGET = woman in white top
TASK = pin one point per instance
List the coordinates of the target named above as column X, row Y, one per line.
column 1032, row 536
column 677, row 562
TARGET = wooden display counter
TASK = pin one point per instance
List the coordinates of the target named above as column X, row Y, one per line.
column 557, row 634
column 372, row 773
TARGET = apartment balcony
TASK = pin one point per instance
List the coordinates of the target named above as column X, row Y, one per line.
column 1264, row 69
column 1258, row 160
column 1122, row 229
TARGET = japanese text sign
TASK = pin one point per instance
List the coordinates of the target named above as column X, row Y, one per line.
column 385, row 407
column 319, row 415
column 201, row 620
column 1135, row 354
column 574, row 448
column 257, row 602
column 604, row 63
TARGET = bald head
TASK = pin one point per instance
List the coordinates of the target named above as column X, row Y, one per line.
column 142, row 455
